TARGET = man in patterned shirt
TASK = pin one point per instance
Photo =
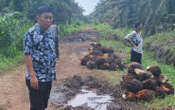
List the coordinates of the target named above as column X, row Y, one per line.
column 40, row 59
column 136, row 41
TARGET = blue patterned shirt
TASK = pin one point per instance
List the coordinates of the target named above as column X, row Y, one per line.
column 40, row 45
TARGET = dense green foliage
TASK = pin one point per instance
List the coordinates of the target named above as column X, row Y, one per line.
column 68, row 29
column 17, row 16
column 11, row 35
column 11, row 39
column 65, row 11
column 157, row 15
column 162, row 46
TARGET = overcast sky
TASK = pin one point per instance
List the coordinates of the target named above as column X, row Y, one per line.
column 87, row 5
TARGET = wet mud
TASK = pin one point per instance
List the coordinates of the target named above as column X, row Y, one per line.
column 88, row 93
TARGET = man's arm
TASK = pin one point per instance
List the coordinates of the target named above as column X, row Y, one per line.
column 29, row 65
column 130, row 42
column 129, row 37
column 28, row 45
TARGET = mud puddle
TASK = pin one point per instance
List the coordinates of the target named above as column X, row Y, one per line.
column 90, row 99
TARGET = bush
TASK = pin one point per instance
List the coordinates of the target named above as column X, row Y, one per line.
column 11, row 35
column 68, row 29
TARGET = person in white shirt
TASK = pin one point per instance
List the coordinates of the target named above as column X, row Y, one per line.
column 136, row 41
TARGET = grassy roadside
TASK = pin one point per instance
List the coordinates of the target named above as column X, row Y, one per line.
column 148, row 59
column 162, row 45
column 65, row 30
column 8, row 64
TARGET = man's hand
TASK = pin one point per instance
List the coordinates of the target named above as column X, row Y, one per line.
column 34, row 82
column 132, row 44
column 29, row 65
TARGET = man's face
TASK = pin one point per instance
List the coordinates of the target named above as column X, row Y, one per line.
column 140, row 26
column 45, row 20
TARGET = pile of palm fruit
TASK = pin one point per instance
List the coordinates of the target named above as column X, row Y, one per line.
column 102, row 57
column 139, row 84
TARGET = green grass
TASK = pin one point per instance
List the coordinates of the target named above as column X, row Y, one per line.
column 171, row 47
column 10, row 63
column 158, row 103
column 102, row 27
column 68, row 29
column 106, row 30
column 166, row 37
column 165, row 40
column 113, row 78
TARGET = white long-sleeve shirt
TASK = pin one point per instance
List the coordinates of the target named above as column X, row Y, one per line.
column 137, row 40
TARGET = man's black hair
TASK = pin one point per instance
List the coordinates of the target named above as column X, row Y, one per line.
column 43, row 9
column 137, row 24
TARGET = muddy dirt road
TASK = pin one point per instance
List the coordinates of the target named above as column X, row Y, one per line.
column 13, row 91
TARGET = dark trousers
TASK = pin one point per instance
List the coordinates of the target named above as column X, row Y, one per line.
column 39, row 97
column 136, row 57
